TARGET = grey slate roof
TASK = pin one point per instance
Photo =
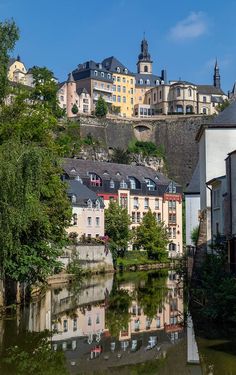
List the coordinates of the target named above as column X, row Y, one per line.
column 82, row 193
column 194, row 185
column 86, row 70
column 116, row 172
column 111, row 64
column 183, row 83
column 152, row 78
column 209, row 90
column 225, row 119
column 81, row 90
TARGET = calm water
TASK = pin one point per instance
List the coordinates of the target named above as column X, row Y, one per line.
column 132, row 323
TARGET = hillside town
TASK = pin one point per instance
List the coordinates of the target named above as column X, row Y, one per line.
column 117, row 218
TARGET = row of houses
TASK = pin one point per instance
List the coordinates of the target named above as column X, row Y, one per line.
column 211, row 194
column 128, row 94
column 93, row 185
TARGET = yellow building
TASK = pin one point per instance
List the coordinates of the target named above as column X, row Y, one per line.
column 16, row 70
column 123, row 86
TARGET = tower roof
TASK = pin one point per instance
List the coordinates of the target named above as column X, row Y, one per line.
column 70, row 78
column 144, row 55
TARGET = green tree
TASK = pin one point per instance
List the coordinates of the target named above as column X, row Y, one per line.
column 194, row 235
column 223, row 105
column 120, row 156
column 117, row 223
column 68, row 139
column 45, row 90
column 74, row 109
column 9, row 34
column 152, row 236
column 101, row 108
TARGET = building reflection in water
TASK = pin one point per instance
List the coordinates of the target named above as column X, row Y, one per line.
column 131, row 318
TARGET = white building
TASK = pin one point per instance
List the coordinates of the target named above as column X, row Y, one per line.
column 192, row 205
column 216, row 139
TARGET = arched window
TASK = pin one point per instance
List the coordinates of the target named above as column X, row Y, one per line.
column 146, row 69
column 95, row 72
column 177, row 91
column 189, row 92
column 126, row 71
column 112, row 184
column 89, row 203
column 97, row 204
column 148, row 82
column 172, row 247
column 118, row 69
column 141, row 81
column 108, row 76
column 102, row 74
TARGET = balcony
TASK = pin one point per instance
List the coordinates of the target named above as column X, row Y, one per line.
column 103, row 89
column 106, row 98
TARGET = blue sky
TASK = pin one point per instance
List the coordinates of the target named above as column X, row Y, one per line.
column 184, row 36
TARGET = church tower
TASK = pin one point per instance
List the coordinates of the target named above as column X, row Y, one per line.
column 144, row 63
column 216, row 77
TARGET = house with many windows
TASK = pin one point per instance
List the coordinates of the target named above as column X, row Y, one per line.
column 136, row 188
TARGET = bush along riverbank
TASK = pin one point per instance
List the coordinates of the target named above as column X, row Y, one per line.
column 139, row 260
column 213, row 296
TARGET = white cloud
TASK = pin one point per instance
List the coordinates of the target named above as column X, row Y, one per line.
column 191, row 27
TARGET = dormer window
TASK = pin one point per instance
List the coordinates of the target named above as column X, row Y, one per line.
column 141, row 81
column 95, row 72
column 98, row 204
column 73, row 170
column 117, row 173
column 112, row 184
column 95, row 180
column 108, row 76
column 123, row 184
column 89, row 203
column 73, row 198
column 77, row 178
column 102, row 74
column 172, row 188
column 134, row 183
column 148, row 82
column 118, row 69
column 126, row 71
column 151, row 186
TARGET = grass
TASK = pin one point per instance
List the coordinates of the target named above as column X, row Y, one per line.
column 134, row 258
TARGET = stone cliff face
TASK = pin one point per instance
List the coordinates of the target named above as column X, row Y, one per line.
column 175, row 133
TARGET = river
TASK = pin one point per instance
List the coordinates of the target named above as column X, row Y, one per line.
column 128, row 323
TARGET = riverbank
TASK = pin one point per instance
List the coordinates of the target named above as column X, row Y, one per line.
column 138, row 260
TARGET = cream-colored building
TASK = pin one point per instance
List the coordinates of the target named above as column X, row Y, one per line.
column 87, row 211
column 136, row 188
column 70, row 97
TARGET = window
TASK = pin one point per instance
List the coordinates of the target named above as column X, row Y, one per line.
column 146, row 69
column 97, row 221
column 158, row 322
column 160, row 94
column 97, row 204
column 204, row 99
column 146, row 203
column 114, row 78
column 119, row 98
column 132, row 100
column 118, row 69
column 118, row 79
column 131, row 91
column 178, row 91
column 172, row 205
column 141, row 81
column 154, row 97
column 151, row 186
column 133, row 217
column 148, row 82
column 108, row 76
column 157, row 204
column 123, row 185
column 65, row 325
column 114, row 88
column 135, row 202
column 138, row 217
column 118, row 88
column 97, row 319
column 74, row 324
column 204, row 111
column 95, row 73
column 172, row 218
column 75, row 219
column 62, row 98
column 89, row 221
column 73, row 198
column 124, row 79
column 159, row 216
column 124, row 89
column 112, row 184
column 114, row 98
column 90, row 203
column 173, row 320
column 124, row 99
column 172, row 188
column 174, row 232
column 216, row 198
column 102, row 74
column 124, row 201
column 95, row 180
column 189, row 92
column 126, row 71
column 131, row 81
column 89, row 321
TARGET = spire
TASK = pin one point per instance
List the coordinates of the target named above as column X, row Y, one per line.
column 144, row 55
column 216, row 77
column 18, row 58
column 70, row 78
